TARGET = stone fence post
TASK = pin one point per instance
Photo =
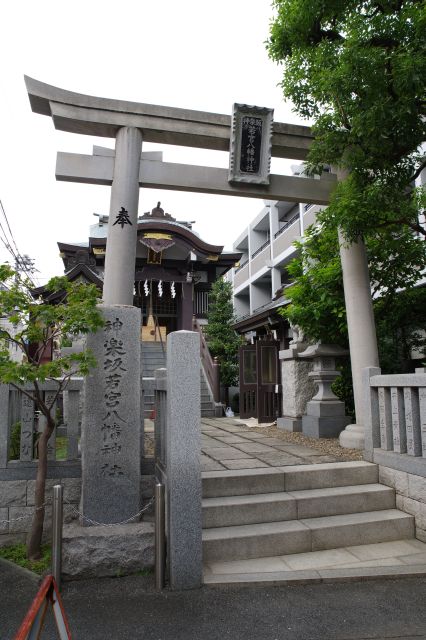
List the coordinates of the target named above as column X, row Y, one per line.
column 183, row 438
column 371, row 413
column 4, row 425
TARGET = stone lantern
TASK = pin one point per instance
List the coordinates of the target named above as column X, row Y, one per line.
column 325, row 413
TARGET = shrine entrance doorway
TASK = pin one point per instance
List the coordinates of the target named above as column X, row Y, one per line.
column 260, row 388
column 163, row 309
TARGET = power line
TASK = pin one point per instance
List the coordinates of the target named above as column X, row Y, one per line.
column 23, row 263
column 8, row 226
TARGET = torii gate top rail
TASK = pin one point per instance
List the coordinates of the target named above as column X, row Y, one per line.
column 80, row 113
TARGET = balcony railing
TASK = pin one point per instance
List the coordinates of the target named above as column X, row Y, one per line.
column 261, row 248
column 241, row 265
column 288, row 224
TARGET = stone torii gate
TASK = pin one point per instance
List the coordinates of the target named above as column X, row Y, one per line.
column 128, row 169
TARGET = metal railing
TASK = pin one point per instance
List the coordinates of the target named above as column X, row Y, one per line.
column 241, row 265
column 209, row 364
column 261, row 248
column 288, row 224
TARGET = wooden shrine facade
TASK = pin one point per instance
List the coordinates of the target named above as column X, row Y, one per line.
column 174, row 269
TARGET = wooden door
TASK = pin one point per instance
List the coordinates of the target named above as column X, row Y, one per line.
column 268, row 380
column 248, row 381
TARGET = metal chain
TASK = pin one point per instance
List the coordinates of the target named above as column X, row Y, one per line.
column 81, row 515
column 113, row 524
column 28, row 515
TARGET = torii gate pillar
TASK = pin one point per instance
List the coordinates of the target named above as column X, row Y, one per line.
column 123, row 218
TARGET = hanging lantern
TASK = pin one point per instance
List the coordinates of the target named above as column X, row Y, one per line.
column 173, row 290
column 146, row 288
column 160, row 289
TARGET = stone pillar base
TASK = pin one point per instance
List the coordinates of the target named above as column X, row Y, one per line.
column 290, row 424
column 324, row 427
column 352, row 437
column 96, row 552
column 324, row 419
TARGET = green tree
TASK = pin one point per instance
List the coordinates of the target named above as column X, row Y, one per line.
column 38, row 327
column 357, row 68
column 222, row 339
column 317, row 299
column 317, row 296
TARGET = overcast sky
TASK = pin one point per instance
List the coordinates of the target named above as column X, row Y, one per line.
column 194, row 54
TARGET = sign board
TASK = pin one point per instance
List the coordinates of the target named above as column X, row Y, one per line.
column 250, row 144
column 33, row 623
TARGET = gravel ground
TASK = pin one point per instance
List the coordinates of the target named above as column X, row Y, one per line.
column 328, row 446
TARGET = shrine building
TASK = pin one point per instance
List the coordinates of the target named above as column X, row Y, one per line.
column 174, row 270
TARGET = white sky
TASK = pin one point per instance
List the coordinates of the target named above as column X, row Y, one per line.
column 194, row 54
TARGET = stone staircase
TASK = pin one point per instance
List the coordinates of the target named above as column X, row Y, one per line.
column 153, row 357
column 261, row 513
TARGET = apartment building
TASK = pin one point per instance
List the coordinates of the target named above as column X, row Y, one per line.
column 260, row 278
column 259, row 282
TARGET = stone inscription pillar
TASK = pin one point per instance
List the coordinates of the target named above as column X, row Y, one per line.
column 111, row 419
column 123, row 219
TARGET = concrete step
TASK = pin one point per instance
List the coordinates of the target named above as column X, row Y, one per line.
column 291, row 478
column 279, row 506
column 301, row 536
column 381, row 560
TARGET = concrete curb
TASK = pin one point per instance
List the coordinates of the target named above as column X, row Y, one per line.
column 279, row 578
column 11, row 567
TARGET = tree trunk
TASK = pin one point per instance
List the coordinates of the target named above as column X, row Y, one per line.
column 36, row 533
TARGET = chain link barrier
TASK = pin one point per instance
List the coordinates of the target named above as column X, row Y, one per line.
column 82, row 516
column 111, row 524
column 27, row 515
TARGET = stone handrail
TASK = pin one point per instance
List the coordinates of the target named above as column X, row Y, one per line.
column 209, row 364
column 160, row 394
column 395, row 419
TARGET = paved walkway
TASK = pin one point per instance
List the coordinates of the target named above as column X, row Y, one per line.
column 227, row 443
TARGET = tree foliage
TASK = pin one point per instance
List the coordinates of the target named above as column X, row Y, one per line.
column 222, row 339
column 38, row 327
column 317, row 298
column 357, row 68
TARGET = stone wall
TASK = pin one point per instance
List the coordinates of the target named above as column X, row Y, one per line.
column 17, row 499
column 410, row 495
